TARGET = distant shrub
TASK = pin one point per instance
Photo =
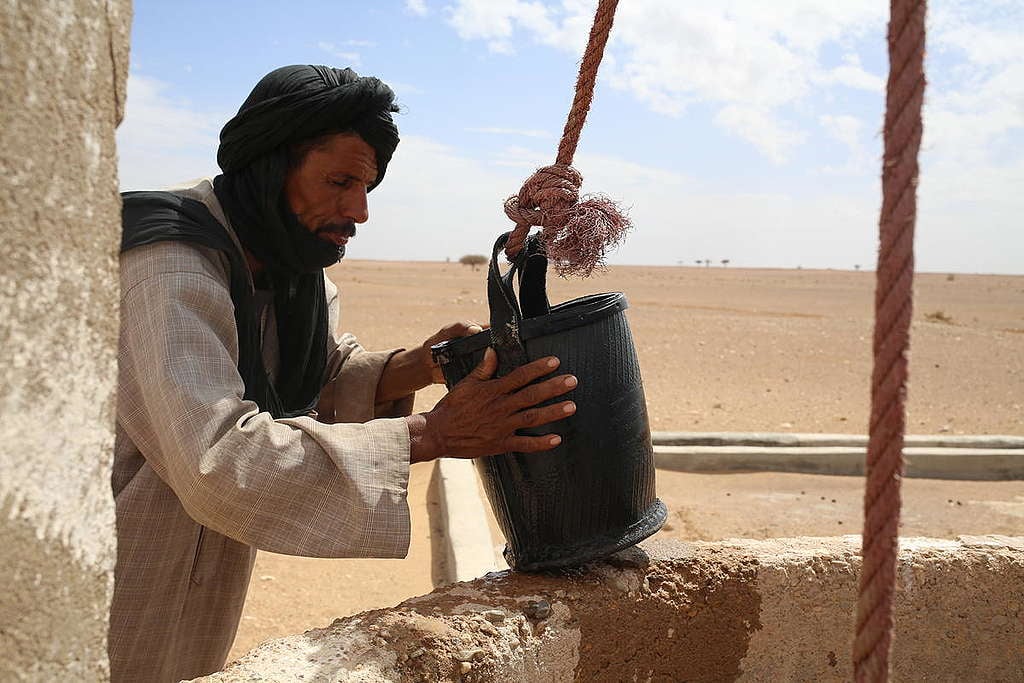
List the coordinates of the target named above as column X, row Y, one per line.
column 474, row 260
column 950, row 277
column 939, row 317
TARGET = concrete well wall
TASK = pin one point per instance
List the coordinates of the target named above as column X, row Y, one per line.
column 63, row 67
column 775, row 610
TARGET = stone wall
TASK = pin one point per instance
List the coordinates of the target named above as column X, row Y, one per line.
column 63, row 68
column 775, row 610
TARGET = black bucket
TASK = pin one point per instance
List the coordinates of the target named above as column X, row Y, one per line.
column 593, row 494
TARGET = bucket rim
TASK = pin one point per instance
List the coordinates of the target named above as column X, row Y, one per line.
column 564, row 316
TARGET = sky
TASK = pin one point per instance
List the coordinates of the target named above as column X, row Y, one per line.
column 739, row 129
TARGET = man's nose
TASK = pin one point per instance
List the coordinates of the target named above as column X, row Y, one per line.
column 356, row 207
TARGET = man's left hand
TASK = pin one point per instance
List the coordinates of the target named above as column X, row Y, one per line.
column 454, row 331
column 411, row 370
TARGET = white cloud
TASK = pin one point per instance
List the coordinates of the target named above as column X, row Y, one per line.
column 417, row 7
column 972, row 161
column 348, row 57
column 496, row 22
column 967, row 114
column 847, row 130
column 852, row 75
column 988, row 33
column 164, row 141
column 619, row 178
column 747, row 58
column 760, row 128
column 529, row 133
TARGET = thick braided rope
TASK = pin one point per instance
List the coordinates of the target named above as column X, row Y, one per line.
column 586, row 80
column 893, row 305
column 576, row 233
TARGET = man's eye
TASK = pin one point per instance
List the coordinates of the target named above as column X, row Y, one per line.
column 342, row 183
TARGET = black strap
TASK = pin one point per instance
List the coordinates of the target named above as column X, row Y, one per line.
column 533, row 280
column 529, row 268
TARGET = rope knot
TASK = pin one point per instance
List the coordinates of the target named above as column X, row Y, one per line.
column 546, row 196
column 576, row 232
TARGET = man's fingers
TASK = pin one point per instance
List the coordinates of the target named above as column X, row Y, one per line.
column 532, row 444
column 533, row 394
column 525, row 374
column 485, row 369
column 535, row 417
column 463, row 328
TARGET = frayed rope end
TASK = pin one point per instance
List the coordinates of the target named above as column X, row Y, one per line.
column 577, row 232
column 593, row 228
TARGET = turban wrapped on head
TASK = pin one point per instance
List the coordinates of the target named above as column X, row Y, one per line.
column 296, row 103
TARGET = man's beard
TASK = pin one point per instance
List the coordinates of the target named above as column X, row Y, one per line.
column 325, row 232
column 313, row 249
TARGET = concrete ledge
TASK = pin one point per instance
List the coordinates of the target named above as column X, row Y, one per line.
column 821, row 440
column 781, row 609
column 934, row 463
column 467, row 546
column 466, row 550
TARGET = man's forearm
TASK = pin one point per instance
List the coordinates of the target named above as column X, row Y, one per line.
column 407, row 371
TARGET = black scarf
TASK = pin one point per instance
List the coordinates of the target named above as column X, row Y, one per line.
column 150, row 217
column 289, row 105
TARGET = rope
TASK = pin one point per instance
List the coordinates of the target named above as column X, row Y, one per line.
column 576, row 233
column 893, row 305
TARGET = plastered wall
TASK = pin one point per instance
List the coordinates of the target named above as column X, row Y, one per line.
column 740, row 610
column 63, row 68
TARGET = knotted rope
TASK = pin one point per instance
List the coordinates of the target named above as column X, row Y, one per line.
column 577, row 233
column 893, row 305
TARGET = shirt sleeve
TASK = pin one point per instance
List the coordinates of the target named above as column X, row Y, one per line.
column 295, row 486
column 352, row 376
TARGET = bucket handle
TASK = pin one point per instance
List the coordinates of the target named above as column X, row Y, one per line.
column 529, row 270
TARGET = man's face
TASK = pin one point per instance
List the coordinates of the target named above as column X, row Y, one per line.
column 327, row 190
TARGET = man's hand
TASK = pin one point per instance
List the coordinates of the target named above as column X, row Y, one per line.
column 453, row 331
column 412, row 369
column 480, row 415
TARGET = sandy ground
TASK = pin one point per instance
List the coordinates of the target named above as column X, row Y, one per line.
column 721, row 349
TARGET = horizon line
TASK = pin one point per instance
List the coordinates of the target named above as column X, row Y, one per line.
column 714, row 266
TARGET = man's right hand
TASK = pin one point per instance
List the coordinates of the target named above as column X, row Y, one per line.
column 480, row 415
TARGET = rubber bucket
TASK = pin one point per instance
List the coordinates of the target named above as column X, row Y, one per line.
column 594, row 493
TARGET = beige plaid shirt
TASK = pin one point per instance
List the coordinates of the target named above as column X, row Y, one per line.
column 202, row 478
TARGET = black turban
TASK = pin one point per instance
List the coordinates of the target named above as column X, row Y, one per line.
column 296, row 103
column 291, row 105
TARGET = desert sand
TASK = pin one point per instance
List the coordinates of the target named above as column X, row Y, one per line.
column 721, row 349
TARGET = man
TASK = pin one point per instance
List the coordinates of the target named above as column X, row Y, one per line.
column 244, row 421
